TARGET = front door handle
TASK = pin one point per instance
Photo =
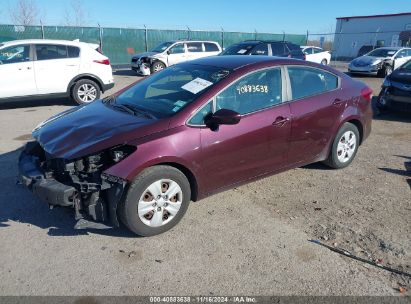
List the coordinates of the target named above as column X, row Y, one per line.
column 280, row 121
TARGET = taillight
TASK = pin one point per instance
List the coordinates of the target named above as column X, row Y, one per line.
column 366, row 93
column 104, row 61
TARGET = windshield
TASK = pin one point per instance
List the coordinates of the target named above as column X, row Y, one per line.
column 407, row 65
column 238, row 49
column 382, row 53
column 167, row 92
column 162, row 47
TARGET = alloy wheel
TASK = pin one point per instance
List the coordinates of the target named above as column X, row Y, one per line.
column 346, row 146
column 87, row 93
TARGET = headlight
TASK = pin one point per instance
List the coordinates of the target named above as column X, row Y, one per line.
column 376, row 63
column 386, row 83
column 120, row 152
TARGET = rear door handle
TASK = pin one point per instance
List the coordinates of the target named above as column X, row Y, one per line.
column 338, row 102
column 280, row 121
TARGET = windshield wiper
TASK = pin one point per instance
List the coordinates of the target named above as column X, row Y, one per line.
column 123, row 107
column 109, row 99
column 141, row 112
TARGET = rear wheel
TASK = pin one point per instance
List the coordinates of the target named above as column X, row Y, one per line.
column 156, row 201
column 324, row 62
column 344, row 147
column 85, row 91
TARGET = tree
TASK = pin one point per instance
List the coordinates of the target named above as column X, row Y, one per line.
column 75, row 15
column 25, row 12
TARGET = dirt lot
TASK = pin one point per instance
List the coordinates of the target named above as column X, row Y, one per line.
column 252, row 240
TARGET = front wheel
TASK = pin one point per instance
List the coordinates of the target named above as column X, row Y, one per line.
column 157, row 66
column 324, row 62
column 156, row 201
column 344, row 147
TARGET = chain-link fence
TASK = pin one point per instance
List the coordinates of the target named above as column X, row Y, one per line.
column 119, row 44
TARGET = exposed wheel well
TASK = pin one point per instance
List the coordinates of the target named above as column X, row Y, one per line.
column 89, row 77
column 359, row 126
column 190, row 176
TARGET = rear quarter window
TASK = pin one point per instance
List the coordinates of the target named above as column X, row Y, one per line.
column 211, row 47
column 307, row 82
column 73, row 51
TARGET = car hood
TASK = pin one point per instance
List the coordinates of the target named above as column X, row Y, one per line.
column 88, row 129
column 367, row 60
column 146, row 54
column 401, row 75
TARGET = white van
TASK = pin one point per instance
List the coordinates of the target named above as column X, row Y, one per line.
column 172, row 52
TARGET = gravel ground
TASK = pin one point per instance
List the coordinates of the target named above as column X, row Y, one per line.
column 250, row 240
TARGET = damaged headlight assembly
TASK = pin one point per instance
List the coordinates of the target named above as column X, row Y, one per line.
column 78, row 183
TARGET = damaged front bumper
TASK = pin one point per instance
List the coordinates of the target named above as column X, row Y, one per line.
column 94, row 197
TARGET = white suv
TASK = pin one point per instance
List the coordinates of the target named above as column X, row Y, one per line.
column 39, row 67
column 172, row 52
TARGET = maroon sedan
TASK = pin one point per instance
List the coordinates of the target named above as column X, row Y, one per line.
column 192, row 130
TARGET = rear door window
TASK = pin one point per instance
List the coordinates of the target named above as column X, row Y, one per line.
column 51, row 51
column 261, row 49
column 194, row 47
column 15, row 54
column 308, row 81
column 277, row 49
column 210, row 47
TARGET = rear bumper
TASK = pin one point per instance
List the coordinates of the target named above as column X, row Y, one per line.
column 108, row 86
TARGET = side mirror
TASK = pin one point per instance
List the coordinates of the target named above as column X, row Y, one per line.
column 222, row 117
column 169, row 52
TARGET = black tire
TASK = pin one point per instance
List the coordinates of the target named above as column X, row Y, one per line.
column 157, row 66
column 332, row 160
column 324, row 62
column 83, row 85
column 128, row 209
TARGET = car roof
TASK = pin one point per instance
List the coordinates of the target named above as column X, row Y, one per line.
column 42, row 41
column 185, row 41
column 234, row 62
column 390, row 48
column 309, row 46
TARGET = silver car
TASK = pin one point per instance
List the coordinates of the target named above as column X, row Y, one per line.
column 381, row 61
column 172, row 52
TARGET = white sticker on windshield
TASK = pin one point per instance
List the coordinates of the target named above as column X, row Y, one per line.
column 196, row 85
column 242, row 51
column 391, row 52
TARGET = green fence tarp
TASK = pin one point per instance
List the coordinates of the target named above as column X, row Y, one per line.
column 119, row 44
